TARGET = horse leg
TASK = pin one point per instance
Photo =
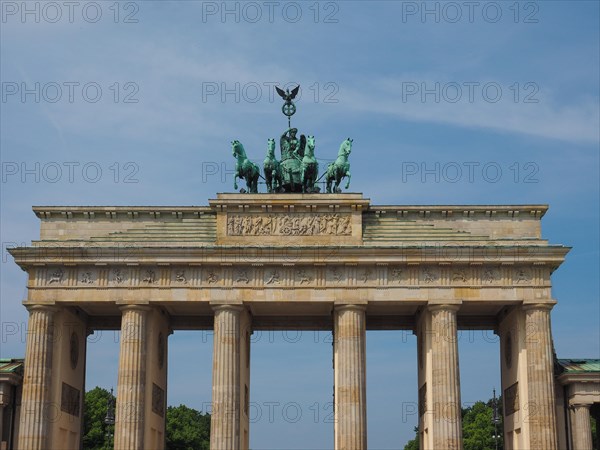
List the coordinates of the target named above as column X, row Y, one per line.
column 306, row 177
column 255, row 176
column 269, row 180
column 338, row 180
column 349, row 177
column 235, row 185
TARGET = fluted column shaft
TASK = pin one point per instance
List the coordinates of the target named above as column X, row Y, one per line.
column 597, row 417
column 5, row 400
column 350, row 377
column 580, row 427
column 540, row 377
column 225, row 418
column 131, row 384
column 445, row 381
column 35, row 400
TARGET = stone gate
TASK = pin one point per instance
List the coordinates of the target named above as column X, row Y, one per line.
column 286, row 261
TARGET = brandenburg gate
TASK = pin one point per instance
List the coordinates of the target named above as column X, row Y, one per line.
column 286, row 261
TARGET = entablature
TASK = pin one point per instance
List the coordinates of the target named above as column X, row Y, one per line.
column 288, row 275
column 441, row 253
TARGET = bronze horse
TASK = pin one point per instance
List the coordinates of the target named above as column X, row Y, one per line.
column 272, row 169
column 244, row 168
column 310, row 167
column 339, row 169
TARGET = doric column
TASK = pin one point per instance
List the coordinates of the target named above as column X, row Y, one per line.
column 5, row 400
column 131, row 383
column 540, row 377
column 597, row 417
column 225, row 419
column 445, row 378
column 580, row 427
column 33, row 430
column 350, row 377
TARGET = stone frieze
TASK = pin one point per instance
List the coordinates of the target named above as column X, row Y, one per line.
column 266, row 276
column 289, row 224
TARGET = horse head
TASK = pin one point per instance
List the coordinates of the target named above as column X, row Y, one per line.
column 346, row 147
column 310, row 145
column 237, row 148
column 271, row 148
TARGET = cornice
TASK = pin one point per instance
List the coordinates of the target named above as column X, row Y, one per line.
column 113, row 212
column 262, row 202
column 579, row 377
column 552, row 255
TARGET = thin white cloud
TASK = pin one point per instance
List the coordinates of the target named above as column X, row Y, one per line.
column 546, row 119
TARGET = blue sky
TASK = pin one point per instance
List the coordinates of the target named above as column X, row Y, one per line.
column 142, row 101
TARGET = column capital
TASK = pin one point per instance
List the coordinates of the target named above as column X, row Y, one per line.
column 46, row 308
column 350, row 306
column 236, row 307
column 433, row 307
column 135, row 307
column 544, row 306
column 580, row 404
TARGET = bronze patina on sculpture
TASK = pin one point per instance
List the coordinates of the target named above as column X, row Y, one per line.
column 298, row 169
column 244, row 168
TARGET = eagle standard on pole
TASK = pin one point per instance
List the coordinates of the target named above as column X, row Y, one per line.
column 288, row 108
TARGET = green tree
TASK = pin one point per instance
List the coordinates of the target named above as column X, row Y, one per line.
column 94, row 411
column 187, row 429
column 477, row 426
column 413, row 444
